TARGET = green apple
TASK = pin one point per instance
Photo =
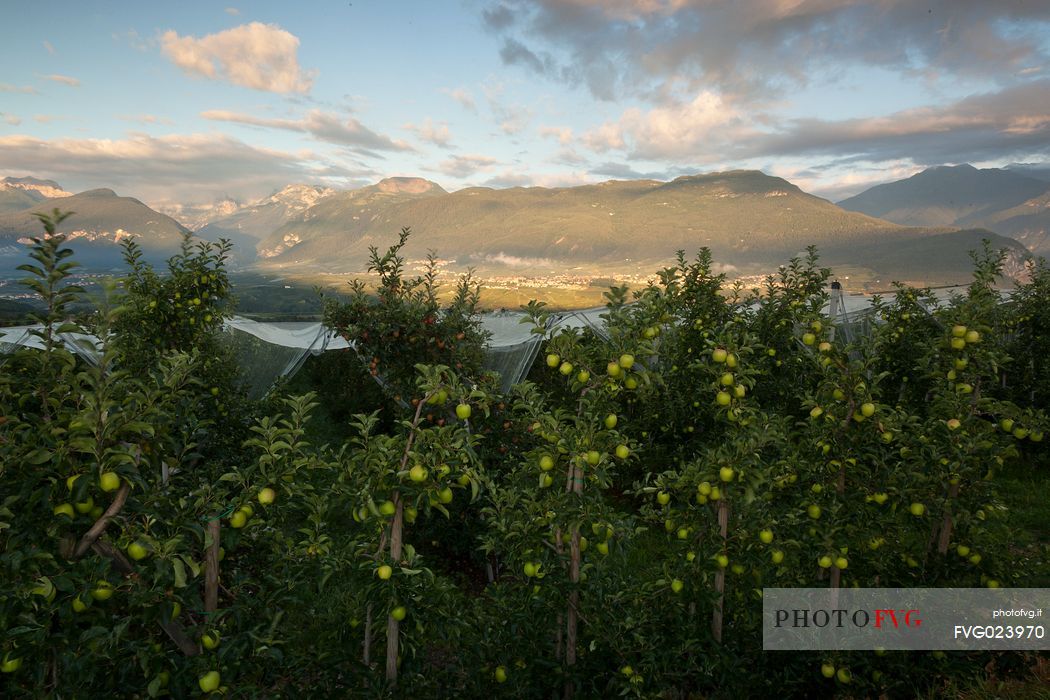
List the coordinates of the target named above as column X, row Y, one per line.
column 690, row 556
column 841, row 563
column 813, row 511
column 79, row 606
column 387, row 508
column 566, row 368
column 463, row 411
column 677, row 585
column 613, row 369
column 610, row 421
column 824, row 562
column 722, row 560
column 384, row 572
column 843, row 675
column 238, row 520
column 417, row 473
column 546, row 463
column 1020, row 433
column 816, row 412
column 824, row 347
column 65, row 509
column 867, row 409
column 704, row 488
column 726, row 474
column 399, row 613
column 546, row 481
column 880, row 498
column 500, row 674
column 1007, row 425
column 777, row 556
column 210, row 640
column 593, row 457
column 266, row 496
column 209, row 682
column 716, row 493
column 975, row 559
column 731, row 361
column 962, row 550
column 109, row 481
column 809, row 338
column 953, row 424
column 626, row 361
column 917, row 509
column 72, row 481
column 683, row 533
column 727, row 379
column 137, row 552
column 765, row 536
column 663, row 498
column 827, row 670
column 739, row 391
column 958, row 344
column 10, row 664
column 631, row 383
column 445, row 495
column 723, row 398
column 972, row 337
column 719, row 355
column 583, row 377
column 103, row 590
column 622, row 451
column 958, row 331
column 553, row 360
column 602, row 547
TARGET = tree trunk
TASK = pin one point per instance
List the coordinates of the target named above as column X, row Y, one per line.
column 211, row 574
column 391, row 623
column 720, row 577
column 946, row 523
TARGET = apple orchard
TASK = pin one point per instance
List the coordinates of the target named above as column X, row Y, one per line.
column 603, row 529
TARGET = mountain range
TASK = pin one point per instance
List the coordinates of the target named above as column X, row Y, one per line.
column 1014, row 202
column 918, row 229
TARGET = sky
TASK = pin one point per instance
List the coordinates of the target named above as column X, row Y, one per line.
column 187, row 103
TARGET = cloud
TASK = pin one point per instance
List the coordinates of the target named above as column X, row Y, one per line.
column 232, row 11
column 437, row 134
column 63, row 79
column 144, row 119
column 323, row 126
column 49, row 47
column 466, row 165
column 1013, row 123
column 563, row 134
column 511, row 118
column 498, row 18
column 256, row 55
column 756, row 48
column 10, row 119
column 172, row 168
column 24, row 89
column 462, row 96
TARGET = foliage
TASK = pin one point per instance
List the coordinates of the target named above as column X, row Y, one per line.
column 604, row 529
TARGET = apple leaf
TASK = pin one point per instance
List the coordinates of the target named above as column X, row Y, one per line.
column 180, row 573
column 38, row 456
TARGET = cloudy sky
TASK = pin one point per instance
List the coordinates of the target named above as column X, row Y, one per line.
column 190, row 102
